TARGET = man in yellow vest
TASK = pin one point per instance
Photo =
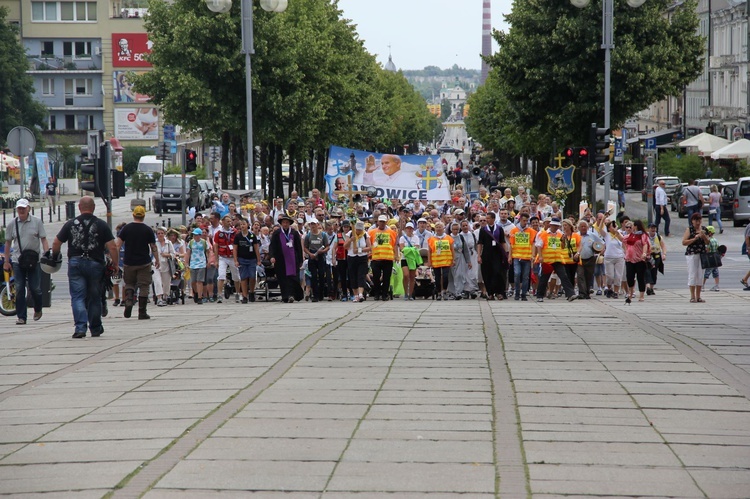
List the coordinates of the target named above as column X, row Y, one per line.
column 521, row 239
column 549, row 249
column 440, row 258
column 384, row 254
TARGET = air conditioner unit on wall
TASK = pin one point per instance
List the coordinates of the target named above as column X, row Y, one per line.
column 97, row 50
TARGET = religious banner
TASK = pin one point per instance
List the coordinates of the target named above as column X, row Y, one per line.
column 388, row 176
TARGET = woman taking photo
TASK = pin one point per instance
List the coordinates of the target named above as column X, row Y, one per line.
column 637, row 254
column 695, row 241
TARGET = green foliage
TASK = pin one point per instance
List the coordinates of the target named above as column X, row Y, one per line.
column 200, row 172
column 17, row 105
column 130, row 157
column 676, row 164
column 549, row 77
column 139, row 182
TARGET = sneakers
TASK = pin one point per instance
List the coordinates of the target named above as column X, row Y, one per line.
column 252, row 297
column 540, row 300
column 236, row 297
column 715, row 288
column 517, row 298
column 572, row 297
column 161, row 303
column 220, row 300
column 598, row 292
column 20, row 322
column 116, row 303
column 523, row 298
column 244, row 300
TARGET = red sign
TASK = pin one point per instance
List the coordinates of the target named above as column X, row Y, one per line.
column 129, row 50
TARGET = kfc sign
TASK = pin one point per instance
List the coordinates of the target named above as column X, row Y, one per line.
column 129, row 50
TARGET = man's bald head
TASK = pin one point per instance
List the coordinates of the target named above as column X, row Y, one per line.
column 86, row 204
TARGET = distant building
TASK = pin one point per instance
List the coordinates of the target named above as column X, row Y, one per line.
column 455, row 95
column 390, row 66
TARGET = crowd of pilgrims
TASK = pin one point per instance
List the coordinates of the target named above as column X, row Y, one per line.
column 502, row 245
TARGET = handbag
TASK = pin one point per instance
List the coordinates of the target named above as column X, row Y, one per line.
column 28, row 258
column 710, row 260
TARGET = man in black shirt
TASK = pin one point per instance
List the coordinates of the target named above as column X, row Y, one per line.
column 88, row 238
column 140, row 244
column 493, row 251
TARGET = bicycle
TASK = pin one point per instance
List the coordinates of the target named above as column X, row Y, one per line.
column 7, row 293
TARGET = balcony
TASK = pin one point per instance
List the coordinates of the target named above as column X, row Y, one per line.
column 53, row 63
column 723, row 113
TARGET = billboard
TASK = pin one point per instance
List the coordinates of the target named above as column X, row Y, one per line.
column 141, row 123
column 391, row 176
column 123, row 90
column 129, row 50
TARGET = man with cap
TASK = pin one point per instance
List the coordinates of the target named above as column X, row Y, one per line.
column 23, row 237
column 383, row 241
column 140, row 246
column 286, row 255
column 315, row 246
column 549, row 250
column 88, row 238
column 423, row 233
column 197, row 256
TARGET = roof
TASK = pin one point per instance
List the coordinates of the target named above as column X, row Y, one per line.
column 390, row 66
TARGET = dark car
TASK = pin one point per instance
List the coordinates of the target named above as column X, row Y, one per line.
column 676, row 199
column 168, row 193
column 682, row 207
column 727, row 190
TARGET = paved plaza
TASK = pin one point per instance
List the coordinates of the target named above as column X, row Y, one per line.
column 423, row 399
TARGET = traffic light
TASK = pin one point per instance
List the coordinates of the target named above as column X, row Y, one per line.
column 100, row 185
column 118, row 184
column 191, row 160
column 89, row 169
column 582, row 157
column 570, row 155
column 598, row 145
column 618, row 177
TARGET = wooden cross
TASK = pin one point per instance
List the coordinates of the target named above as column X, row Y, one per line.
column 559, row 158
column 349, row 193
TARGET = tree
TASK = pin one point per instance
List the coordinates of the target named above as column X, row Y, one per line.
column 17, row 104
column 548, row 70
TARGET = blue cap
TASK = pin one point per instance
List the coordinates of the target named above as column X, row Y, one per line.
column 197, row 232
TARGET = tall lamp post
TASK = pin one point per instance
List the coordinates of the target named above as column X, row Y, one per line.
column 246, row 12
column 608, row 44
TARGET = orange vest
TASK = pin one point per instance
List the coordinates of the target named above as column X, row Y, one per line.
column 551, row 247
column 441, row 251
column 575, row 245
column 521, row 242
column 383, row 244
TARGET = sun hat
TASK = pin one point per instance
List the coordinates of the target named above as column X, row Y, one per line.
column 359, row 226
column 554, row 221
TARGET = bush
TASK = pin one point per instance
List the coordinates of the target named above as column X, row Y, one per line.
column 677, row 164
column 200, row 172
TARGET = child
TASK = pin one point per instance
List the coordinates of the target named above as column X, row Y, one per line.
column 198, row 254
column 713, row 247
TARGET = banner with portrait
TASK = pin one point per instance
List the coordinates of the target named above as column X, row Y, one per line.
column 141, row 123
column 123, row 92
column 389, row 176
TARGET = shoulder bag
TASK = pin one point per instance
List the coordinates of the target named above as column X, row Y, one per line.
column 710, row 260
column 28, row 258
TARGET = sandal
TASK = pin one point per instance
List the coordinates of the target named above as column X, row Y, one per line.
column 743, row 282
column 700, row 300
column 692, row 300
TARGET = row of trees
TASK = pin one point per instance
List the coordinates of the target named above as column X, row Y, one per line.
column 314, row 85
column 547, row 79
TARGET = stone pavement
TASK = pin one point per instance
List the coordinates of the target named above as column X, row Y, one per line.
column 423, row 399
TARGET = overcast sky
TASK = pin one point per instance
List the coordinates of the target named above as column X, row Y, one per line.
column 424, row 32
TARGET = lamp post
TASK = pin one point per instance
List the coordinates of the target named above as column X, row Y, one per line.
column 246, row 12
column 608, row 44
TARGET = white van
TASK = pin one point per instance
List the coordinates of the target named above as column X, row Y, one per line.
column 149, row 165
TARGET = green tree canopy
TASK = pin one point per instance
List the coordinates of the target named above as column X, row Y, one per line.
column 548, row 79
column 17, row 104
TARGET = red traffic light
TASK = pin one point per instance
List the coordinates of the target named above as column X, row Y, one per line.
column 191, row 155
column 569, row 153
column 583, row 153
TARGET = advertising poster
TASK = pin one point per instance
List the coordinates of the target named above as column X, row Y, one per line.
column 129, row 50
column 391, row 176
column 141, row 123
column 123, row 90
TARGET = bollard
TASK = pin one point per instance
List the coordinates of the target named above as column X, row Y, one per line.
column 32, row 211
column 3, row 217
column 169, row 223
column 50, row 214
column 58, row 214
column 149, row 205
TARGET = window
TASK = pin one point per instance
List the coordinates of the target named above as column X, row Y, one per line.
column 48, row 86
column 70, row 121
column 48, row 49
column 64, row 11
column 52, row 122
column 67, row 49
column 80, row 87
column 82, row 50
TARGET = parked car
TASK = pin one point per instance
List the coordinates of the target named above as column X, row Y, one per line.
column 676, row 199
column 670, row 184
column 208, row 188
column 168, row 193
column 727, row 190
column 682, row 208
column 741, row 213
column 710, row 181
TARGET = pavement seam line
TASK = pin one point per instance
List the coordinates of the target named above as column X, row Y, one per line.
column 35, row 383
column 640, row 409
column 142, row 480
column 510, row 464
column 369, row 406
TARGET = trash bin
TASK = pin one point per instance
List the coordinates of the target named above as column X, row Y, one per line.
column 70, row 210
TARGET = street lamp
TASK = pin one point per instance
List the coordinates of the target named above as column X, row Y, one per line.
column 246, row 12
column 608, row 15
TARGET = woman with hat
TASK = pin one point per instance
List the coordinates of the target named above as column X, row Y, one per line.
column 358, row 248
column 285, row 250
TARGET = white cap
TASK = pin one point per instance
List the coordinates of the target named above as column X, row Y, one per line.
column 422, row 220
column 409, row 225
column 382, row 218
column 22, row 203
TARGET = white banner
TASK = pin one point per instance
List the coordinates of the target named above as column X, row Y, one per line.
column 137, row 123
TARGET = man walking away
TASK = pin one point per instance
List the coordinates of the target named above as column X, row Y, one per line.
column 140, row 245
column 661, row 207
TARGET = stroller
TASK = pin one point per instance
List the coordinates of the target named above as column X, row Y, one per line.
column 425, row 283
column 266, row 282
column 177, row 284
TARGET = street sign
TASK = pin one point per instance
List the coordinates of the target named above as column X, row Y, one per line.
column 169, row 132
column 173, row 146
column 21, row 141
column 650, row 145
column 619, row 150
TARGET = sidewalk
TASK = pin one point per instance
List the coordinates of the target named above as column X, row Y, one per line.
column 421, row 399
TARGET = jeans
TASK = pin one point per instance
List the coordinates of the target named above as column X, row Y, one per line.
column 521, row 272
column 23, row 278
column 85, row 285
column 317, row 267
column 660, row 217
column 716, row 216
column 693, row 209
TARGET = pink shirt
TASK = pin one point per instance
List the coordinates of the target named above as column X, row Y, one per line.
column 634, row 247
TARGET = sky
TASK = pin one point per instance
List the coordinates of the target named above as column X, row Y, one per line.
column 424, row 32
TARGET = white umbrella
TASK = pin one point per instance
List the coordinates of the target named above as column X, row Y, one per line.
column 705, row 143
column 735, row 150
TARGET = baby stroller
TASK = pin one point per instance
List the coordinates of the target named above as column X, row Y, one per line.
column 266, row 281
column 424, row 285
column 177, row 285
column 229, row 287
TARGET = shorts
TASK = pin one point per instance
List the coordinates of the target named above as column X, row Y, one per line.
column 210, row 277
column 224, row 263
column 713, row 272
column 248, row 268
column 599, row 269
column 197, row 275
column 404, row 264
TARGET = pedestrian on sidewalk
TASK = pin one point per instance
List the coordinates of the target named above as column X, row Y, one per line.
column 23, row 238
column 286, row 256
column 661, row 207
column 695, row 241
column 140, row 249
column 88, row 239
